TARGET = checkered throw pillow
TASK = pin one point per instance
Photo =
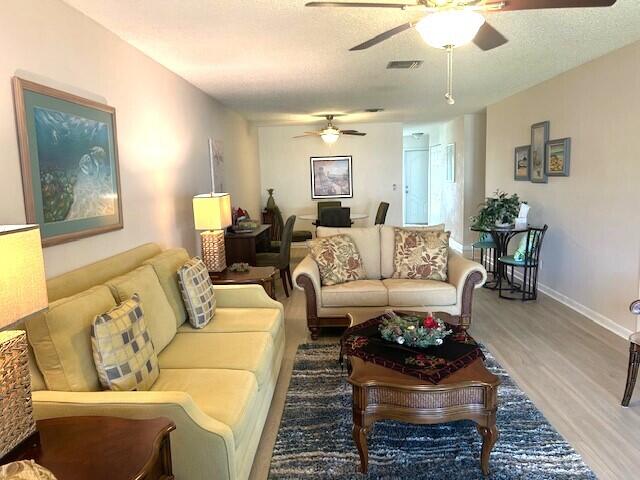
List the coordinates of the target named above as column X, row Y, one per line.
column 197, row 292
column 122, row 348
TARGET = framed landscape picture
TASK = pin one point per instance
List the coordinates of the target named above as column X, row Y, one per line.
column 522, row 163
column 557, row 157
column 69, row 159
column 539, row 139
column 331, row 177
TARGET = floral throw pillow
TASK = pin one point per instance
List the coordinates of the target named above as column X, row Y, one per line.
column 338, row 259
column 421, row 254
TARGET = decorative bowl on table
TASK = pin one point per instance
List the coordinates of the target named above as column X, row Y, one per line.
column 240, row 267
column 413, row 330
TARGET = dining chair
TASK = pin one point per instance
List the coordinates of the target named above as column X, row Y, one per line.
column 297, row 236
column 488, row 253
column 381, row 214
column 634, row 359
column 530, row 262
column 328, row 204
column 335, row 217
column 282, row 259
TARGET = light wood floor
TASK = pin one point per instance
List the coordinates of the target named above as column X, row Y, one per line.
column 572, row 369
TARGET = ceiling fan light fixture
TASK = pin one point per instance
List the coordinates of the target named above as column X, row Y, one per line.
column 330, row 135
column 450, row 28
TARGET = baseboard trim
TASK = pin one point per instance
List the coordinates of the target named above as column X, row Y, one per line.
column 458, row 247
column 583, row 310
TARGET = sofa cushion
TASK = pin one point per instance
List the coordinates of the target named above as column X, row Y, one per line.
column 229, row 396
column 238, row 320
column 421, row 255
column 361, row 293
column 253, row 351
column 61, row 340
column 158, row 313
column 338, row 259
column 388, row 246
column 368, row 242
column 166, row 266
column 122, row 348
column 417, row 293
column 197, row 292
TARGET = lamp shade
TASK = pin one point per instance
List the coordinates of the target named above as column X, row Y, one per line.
column 212, row 211
column 23, row 289
column 450, row 28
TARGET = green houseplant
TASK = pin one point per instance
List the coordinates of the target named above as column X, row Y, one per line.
column 501, row 209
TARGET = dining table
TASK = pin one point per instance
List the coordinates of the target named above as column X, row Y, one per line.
column 501, row 236
column 353, row 216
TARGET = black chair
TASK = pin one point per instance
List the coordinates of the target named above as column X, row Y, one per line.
column 528, row 289
column 322, row 205
column 278, row 223
column 381, row 214
column 488, row 251
column 335, row 217
column 282, row 259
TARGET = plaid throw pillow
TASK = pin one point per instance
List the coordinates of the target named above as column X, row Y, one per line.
column 122, row 348
column 421, row 254
column 197, row 292
column 338, row 259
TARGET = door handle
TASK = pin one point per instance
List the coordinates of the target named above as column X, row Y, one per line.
column 406, row 189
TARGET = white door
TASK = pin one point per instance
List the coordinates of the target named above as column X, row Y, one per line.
column 416, row 187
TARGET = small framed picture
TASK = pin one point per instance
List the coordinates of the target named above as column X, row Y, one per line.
column 522, row 163
column 331, row 177
column 451, row 163
column 557, row 157
column 539, row 139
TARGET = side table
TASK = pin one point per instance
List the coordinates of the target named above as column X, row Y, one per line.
column 100, row 448
column 265, row 276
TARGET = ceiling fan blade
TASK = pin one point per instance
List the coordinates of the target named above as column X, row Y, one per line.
column 489, row 38
column 383, row 36
column 360, row 4
column 539, row 4
column 352, row 132
column 308, row 134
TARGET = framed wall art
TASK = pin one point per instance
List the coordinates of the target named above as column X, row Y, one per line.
column 539, row 139
column 522, row 163
column 69, row 160
column 558, row 157
column 451, row 163
column 331, row 177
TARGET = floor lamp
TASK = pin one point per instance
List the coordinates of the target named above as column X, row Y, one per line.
column 212, row 214
column 23, row 292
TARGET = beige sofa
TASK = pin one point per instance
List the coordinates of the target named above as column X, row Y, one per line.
column 328, row 306
column 216, row 384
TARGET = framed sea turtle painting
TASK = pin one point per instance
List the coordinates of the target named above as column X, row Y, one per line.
column 69, row 160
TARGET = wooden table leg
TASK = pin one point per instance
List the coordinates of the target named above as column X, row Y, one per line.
column 632, row 373
column 490, row 436
column 360, row 427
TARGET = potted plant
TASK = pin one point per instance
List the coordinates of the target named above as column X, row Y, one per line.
column 500, row 210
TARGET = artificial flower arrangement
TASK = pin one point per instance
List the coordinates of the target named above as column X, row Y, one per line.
column 413, row 330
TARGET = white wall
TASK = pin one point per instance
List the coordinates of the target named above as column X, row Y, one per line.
column 163, row 124
column 591, row 254
column 377, row 167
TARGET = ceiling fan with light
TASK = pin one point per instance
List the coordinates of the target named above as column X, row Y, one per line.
column 449, row 24
column 330, row 133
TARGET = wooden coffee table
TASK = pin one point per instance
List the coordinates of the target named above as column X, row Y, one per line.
column 265, row 276
column 383, row 394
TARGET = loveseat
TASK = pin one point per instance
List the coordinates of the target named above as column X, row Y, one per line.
column 327, row 306
column 216, row 383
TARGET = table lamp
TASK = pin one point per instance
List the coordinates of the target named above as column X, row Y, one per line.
column 212, row 213
column 23, row 292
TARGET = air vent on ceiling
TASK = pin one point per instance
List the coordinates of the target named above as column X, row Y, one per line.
column 405, row 64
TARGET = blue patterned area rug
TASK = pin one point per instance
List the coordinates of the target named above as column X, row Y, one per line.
column 314, row 441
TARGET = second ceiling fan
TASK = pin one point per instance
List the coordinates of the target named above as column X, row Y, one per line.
column 452, row 23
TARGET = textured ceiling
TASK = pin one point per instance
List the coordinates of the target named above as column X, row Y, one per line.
column 276, row 61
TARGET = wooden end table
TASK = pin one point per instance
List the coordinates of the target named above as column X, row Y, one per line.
column 383, row 394
column 100, row 448
column 265, row 276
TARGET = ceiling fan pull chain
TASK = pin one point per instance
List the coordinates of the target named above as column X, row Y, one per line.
column 449, row 95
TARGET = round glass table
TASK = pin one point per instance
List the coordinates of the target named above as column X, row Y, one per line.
column 501, row 237
column 353, row 216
